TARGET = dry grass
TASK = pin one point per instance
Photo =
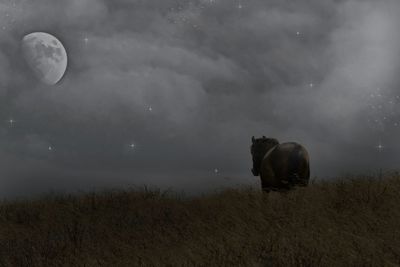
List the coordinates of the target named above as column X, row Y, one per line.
column 348, row 222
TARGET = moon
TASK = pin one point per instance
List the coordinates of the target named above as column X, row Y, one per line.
column 46, row 56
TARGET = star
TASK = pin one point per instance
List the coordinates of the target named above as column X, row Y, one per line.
column 240, row 6
column 132, row 145
column 311, row 85
column 11, row 122
column 297, row 33
column 150, row 109
column 380, row 147
column 216, row 170
column 86, row 40
column 50, row 148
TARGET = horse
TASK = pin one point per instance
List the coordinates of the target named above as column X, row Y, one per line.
column 280, row 166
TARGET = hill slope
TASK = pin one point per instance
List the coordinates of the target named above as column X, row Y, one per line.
column 344, row 222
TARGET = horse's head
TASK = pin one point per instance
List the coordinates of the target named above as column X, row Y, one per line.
column 259, row 148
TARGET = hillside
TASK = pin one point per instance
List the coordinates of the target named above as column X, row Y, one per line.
column 346, row 222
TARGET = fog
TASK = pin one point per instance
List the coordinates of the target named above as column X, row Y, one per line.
column 188, row 83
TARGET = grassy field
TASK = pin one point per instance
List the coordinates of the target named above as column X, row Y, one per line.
column 346, row 222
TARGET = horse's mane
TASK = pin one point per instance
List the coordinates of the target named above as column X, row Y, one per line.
column 264, row 140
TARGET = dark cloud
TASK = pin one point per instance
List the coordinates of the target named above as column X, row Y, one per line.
column 214, row 73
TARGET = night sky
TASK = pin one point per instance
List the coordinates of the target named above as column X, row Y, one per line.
column 168, row 93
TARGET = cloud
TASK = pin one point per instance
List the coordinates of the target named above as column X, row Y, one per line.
column 213, row 75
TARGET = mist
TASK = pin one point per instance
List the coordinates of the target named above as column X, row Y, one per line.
column 188, row 83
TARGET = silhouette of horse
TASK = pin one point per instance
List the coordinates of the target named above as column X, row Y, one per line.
column 280, row 166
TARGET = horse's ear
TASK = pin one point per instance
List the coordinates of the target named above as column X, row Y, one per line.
column 253, row 139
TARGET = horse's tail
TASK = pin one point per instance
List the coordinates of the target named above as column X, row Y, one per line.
column 298, row 166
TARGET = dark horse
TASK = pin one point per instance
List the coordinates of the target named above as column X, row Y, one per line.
column 280, row 166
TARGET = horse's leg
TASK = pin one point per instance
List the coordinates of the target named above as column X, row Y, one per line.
column 267, row 177
column 305, row 175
